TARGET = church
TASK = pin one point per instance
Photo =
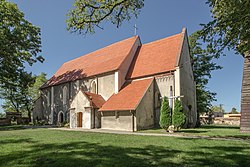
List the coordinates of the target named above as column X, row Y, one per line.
column 120, row 86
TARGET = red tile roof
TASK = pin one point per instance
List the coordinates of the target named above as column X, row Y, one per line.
column 129, row 97
column 156, row 57
column 101, row 61
column 97, row 100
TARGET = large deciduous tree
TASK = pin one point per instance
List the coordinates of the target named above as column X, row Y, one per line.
column 87, row 15
column 230, row 28
column 20, row 43
column 203, row 65
column 22, row 96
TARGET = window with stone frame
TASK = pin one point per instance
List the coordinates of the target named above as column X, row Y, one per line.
column 93, row 87
column 65, row 93
column 48, row 98
column 157, row 99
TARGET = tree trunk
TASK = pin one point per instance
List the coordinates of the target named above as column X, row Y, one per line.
column 245, row 97
column 29, row 115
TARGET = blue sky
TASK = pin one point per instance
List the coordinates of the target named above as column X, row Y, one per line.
column 158, row 19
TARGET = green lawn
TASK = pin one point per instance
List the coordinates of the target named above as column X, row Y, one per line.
column 208, row 130
column 47, row 147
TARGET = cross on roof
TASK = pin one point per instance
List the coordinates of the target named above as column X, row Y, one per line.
column 135, row 29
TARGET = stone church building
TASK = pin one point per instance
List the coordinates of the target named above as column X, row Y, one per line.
column 120, row 86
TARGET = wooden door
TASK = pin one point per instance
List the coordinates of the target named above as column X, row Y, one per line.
column 79, row 119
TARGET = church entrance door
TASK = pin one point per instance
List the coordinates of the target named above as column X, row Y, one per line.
column 79, row 119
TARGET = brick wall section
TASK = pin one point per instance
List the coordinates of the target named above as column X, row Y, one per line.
column 245, row 97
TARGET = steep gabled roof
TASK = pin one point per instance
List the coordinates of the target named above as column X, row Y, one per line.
column 97, row 100
column 100, row 61
column 129, row 97
column 156, row 57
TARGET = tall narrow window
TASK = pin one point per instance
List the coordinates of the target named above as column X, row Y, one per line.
column 93, row 87
column 65, row 91
column 48, row 98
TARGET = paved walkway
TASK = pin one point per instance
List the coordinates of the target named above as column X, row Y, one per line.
column 149, row 134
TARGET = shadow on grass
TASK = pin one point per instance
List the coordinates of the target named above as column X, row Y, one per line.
column 11, row 127
column 96, row 154
column 17, row 141
column 192, row 131
column 22, row 127
column 219, row 127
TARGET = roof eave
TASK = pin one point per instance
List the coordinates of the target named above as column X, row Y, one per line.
column 184, row 33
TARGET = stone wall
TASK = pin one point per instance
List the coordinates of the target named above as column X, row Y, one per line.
column 106, row 85
column 38, row 110
column 187, row 84
column 80, row 103
column 117, row 120
column 52, row 97
column 226, row 121
column 145, row 110
column 220, row 120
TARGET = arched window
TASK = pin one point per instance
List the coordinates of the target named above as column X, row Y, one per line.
column 60, row 117
column 65, row 92
column 93, row 87
column 48, row 98
column 157, row 99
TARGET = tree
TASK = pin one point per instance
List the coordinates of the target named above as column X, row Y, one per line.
column 89, row 14
column 22, row 95
column 20, row 43
column 203, row 65
column 234, row 111
column 15, row 93
column 218, row 109
column 179, row 116
column 230, row 27
column 34, row 90
column 165, row 117
column 2, row 115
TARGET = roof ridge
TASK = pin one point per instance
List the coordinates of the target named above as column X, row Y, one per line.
column 136, row 37
column 159, row 40
column 109, row 45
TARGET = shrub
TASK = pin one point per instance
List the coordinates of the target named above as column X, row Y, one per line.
column 165, row 117
column 178, row 115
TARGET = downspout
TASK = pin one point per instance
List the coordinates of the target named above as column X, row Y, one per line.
column 133, row 120
column 92, row 110
column 96, row 85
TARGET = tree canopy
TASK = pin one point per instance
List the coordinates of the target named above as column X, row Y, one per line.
column 234, row 111
column 218, row 109
column 203, row 65
column 87, row 15
column 22, row 96
column 230, row 27
column 20, row 43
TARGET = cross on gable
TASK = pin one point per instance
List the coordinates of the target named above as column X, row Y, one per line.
column 135, row 30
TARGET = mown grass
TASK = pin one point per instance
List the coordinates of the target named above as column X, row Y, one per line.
column 208, row 130
column 47, row 147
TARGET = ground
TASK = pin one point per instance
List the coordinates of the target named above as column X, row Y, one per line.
column 50, row 147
